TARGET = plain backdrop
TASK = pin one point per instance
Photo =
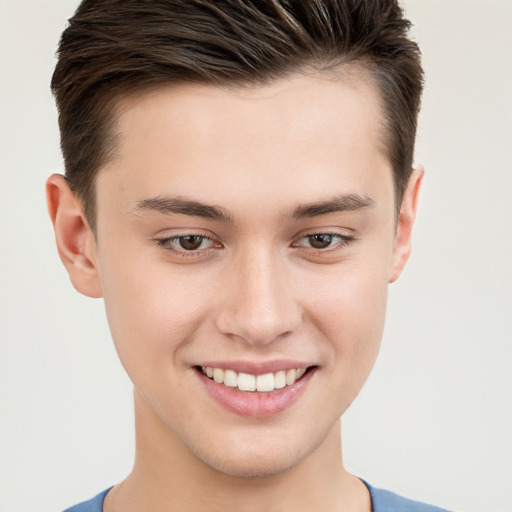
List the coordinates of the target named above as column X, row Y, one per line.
column 434, row 421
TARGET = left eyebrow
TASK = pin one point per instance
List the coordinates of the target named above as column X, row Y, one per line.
column 342, row 203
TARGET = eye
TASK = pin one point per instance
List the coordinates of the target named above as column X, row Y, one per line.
column 324, row 241
column 186, row 245
column 190, row 242
column 320, row 241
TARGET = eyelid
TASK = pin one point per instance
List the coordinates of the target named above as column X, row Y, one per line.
column 162, row 241
column 167, row 243
column 344, row 240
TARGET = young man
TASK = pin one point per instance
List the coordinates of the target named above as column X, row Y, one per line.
column 239, row 189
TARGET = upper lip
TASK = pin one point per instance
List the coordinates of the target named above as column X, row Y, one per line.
column 257, row 367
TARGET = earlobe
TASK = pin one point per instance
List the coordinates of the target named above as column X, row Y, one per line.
column 75, row 240
column 406, row 218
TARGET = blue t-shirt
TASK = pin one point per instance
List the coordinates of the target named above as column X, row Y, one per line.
column 382, row 501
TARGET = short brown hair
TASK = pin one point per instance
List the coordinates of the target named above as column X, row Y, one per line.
column 112, row 48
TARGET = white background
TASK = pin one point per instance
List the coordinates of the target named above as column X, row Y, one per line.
column 435, row 419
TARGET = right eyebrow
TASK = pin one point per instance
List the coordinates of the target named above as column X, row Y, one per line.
column 182, row 206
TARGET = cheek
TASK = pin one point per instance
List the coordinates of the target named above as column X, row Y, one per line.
column 350, row 299
column 152, row 313
column 350, row 312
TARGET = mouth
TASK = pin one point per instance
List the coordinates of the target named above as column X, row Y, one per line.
column 264, row 383
column 256, row 395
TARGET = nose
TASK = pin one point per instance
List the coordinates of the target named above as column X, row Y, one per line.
column 257, row 304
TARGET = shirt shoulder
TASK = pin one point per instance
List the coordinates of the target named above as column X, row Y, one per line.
column 382, row 501
column 93, row 505
column 387, row 501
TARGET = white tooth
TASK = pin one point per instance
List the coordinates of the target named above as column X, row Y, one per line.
column 209, row 372
column 246, row 382
column 230, row 379
column 300, row 372
column 265, row 382
column 290, row 377
column 203, row 369
column 218, row 375
column 279, row 380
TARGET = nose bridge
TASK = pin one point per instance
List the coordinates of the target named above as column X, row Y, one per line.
column 259, row 305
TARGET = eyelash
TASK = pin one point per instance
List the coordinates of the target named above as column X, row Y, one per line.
column 343, row 241
column 166, row 243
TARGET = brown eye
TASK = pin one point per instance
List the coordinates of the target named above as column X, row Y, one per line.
column 320, row 241
column 190, row 242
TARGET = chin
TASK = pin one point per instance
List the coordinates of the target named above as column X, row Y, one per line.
column 257, row 460
column 251, row 466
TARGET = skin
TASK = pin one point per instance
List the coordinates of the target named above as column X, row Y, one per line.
column 255, row 290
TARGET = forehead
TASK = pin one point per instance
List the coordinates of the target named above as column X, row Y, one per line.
column 304, row 134
column 298, row 105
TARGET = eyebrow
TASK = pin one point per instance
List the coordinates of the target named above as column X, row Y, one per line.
column 178, row 205
column 341, row 203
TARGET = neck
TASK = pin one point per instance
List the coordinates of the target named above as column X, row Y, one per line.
column 167, row 477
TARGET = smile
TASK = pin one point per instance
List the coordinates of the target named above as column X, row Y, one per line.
column 262, row 390
column 261, row 383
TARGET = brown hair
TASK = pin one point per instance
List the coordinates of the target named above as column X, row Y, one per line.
column 112, row 48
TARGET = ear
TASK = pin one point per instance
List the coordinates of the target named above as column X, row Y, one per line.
column 75, row 240
column 406, row 218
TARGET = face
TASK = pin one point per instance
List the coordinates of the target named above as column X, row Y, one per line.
column 241, row 236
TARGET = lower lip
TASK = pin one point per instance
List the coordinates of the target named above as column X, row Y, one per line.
column 256, row 404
